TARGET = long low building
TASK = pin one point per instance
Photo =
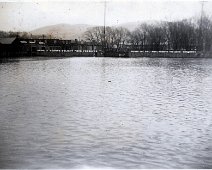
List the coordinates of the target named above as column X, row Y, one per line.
column 15, row 46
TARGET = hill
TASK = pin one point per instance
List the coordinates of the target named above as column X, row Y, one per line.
column 64, row 31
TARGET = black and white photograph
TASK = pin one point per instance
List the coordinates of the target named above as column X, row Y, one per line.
column 105, row 84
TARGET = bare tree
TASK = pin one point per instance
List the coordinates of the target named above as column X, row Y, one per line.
column 205, row 33
column 114, row 37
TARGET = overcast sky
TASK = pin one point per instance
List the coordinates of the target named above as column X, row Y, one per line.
column 30, row 14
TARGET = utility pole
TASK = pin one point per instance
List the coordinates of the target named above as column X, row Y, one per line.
column 104, row 31
column 201, row 34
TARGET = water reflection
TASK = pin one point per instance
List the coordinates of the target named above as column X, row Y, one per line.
column 106, row 112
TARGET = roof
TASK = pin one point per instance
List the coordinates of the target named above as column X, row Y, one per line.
column 7, row 40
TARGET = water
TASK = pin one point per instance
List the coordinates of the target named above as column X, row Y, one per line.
column 106, row 113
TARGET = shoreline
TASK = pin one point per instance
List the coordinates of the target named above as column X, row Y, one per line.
column 132, row 54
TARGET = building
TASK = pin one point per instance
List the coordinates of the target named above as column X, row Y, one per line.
column 15, row 46
column 10, row 47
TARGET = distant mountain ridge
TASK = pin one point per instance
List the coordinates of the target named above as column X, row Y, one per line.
column 64, row 31
column 67, row 31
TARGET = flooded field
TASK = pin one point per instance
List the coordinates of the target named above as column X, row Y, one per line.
column 106, row 113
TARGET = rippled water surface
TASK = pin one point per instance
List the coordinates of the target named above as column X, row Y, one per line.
column 106, row 113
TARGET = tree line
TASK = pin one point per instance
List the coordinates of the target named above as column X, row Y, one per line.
column 187, row 34
column 24, row 35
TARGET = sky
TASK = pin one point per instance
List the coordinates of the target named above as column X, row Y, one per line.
column 27, row 15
